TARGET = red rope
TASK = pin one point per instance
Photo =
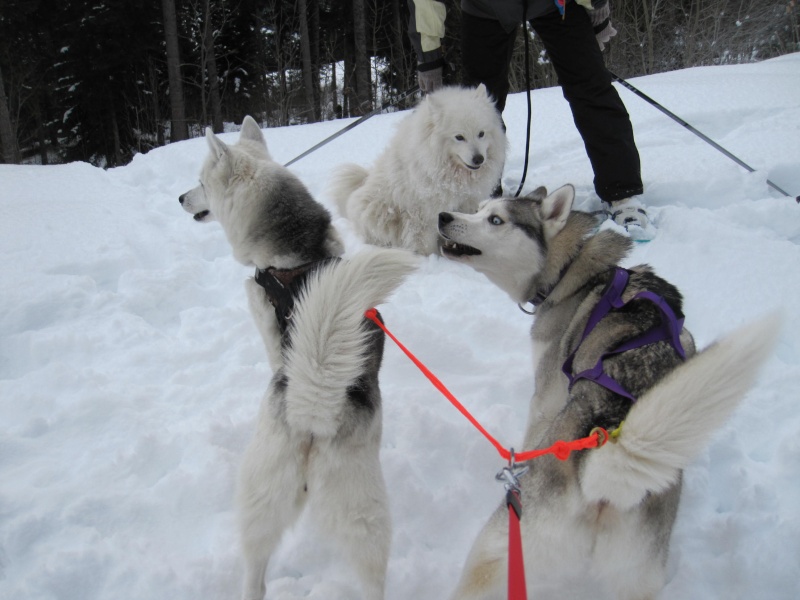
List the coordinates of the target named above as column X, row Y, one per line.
column 560, row 449
column 517, row 589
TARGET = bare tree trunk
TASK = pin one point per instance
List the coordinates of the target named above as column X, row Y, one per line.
column 363, row 89
column 279, row 98
column 316, row 66
column 159, row 131
column 261, row 67
column 305, row 46
column 349, row 81
column 283, row 91
column 651, row 8
column 399, row 56
column 337, row 108
column 210, row 66
column 40, row 131
column 115, row 137
column 179, row 129
column 7, row 138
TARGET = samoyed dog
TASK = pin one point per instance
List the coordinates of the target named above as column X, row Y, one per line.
column 447, row 155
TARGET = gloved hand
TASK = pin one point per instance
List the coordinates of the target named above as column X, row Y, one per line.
column 601, row 22
column 430, row 80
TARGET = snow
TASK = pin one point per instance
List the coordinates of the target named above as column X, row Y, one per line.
column 131, row 371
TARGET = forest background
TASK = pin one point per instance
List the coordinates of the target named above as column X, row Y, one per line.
column 101, row 80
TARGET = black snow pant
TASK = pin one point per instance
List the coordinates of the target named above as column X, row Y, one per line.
column 598, row 111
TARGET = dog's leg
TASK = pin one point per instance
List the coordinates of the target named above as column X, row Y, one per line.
column 264, row 317
column 638, row 582
column 270, row 496
column 484, row 574
column 630, row 555
column 349, row 500
column 377, row 220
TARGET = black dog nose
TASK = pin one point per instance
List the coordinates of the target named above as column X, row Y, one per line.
column 445, row 218
column 181, row 197
column 477, row 159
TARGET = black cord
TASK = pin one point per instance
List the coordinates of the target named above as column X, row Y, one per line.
column 528, row 86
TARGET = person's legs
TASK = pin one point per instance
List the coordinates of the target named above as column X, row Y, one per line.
column 486, row 50
column 598, row 111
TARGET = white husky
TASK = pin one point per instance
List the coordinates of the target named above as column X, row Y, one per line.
column 448, row 154
column 319, row 428
column 598, row 524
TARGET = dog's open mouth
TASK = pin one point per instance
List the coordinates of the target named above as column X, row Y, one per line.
column 454, row 249
column 471, row 167
column 201, row 215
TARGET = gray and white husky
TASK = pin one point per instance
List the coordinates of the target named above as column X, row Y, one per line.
column 598, row 523
column 318, row 431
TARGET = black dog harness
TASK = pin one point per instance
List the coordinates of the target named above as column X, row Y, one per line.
column 669, row 329
column 281, row 286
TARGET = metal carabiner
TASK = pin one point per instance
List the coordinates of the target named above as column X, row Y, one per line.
column 510, row 474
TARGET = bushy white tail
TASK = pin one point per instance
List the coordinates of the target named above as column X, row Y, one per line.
column 672, row 423
column 330, row 336
column 348, row 178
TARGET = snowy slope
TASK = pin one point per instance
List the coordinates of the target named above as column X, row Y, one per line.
column 131, row 372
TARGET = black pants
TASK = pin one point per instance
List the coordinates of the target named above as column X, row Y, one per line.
column 597, row 109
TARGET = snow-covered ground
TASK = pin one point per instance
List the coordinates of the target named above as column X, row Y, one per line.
column 131, row 371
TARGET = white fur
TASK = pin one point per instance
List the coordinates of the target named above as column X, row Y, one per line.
column 425, row 170
column 597, row 525
column 235, row 180
column 313, row 446
column 672, row 423
column 588, row 541
column 342, row 486
column 326, row 354
column 316, row 452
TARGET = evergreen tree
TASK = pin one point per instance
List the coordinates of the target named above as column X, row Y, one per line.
column 103, row 76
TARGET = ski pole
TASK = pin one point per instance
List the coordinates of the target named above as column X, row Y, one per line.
column 699, row 134
column 356, row 123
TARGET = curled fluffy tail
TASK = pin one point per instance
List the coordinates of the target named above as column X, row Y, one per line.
column 672, row 423
column 347, row 180
column 330, row 337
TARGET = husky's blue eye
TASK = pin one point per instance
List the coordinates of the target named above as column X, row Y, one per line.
column 460, row 137
column 495, row 220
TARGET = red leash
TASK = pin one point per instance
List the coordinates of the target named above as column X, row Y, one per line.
column 561, row 450
column 517, row 590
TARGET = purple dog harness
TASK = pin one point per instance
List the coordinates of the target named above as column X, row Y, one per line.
column 669, row 329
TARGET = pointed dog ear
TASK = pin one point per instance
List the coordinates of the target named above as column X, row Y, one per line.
column 217, row 146
column 251, row 131
column 539, row 194
column 555, row 210
column 483, row 94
